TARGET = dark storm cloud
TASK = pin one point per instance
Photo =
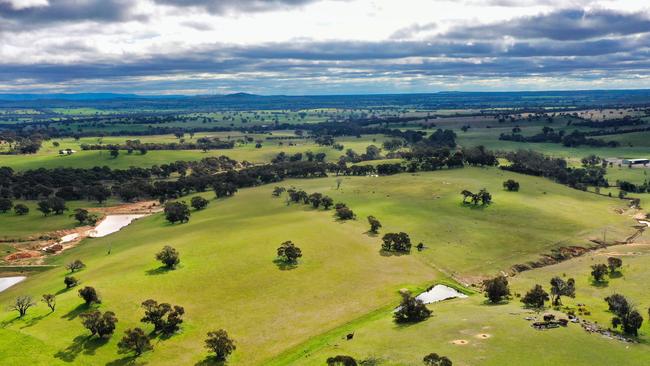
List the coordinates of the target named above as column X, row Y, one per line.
column 226, row 6
column 561, row 25
column 68, row 11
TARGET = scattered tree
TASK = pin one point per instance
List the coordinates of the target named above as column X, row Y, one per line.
column 136, row 341
column 97, row 323
column 396, row 242
column 177, row 212
column 277, row 191
column 199, row 203
column 70, row 281
column 598, row 272
column 560, row 288
column 21, row 209
column 169, row 257
column 21, row 304
column 511, row 185
column 496, row 289
column 84, row 217
column 614, row 264
column 341, row 360
column 75, row 265
column 90, row 296
column 433, row 359
column 164, row 317
column 535, row 298
column 5, row 204
column 627, row 317
column 288, row 252
column 411, row 310
column 219, row 343
column 344, row 213
column 327, row 202
column 374, row 224
column 50, row 301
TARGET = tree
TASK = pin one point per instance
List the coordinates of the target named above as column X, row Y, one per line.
column 327, row 202
column 411, row 310
column 84, row 217
column 466, row 194
column 164, row 317
column 598, row 272
column 21, row 304
column 199, row 203
column 21, row 209
column 97, row 323
column 114, row 153
column 535, row 298
column 44, row 207
column 169, row 257
column 90, row 296
column 344, row 213
column 177, row 212
column 315, row 199
column 341, row 360
column 614, row 264
column 433, row 359
column 511, row 185
column 277, row 191
column 560, row 288
column 626, row 316
column 374, row 224
column 70, row 281
column 288, row 252
column 5, row 204
column 496, row 289
column 136, row 341
column 50, row 301
column 75, row 265
column 485, row 197
column 396, row 242
column 219, row 343
column 57, row 205
column 99, row 193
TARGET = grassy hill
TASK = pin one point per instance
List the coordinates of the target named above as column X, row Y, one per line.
column 227, row 277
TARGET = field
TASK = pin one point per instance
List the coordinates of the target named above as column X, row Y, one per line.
column 228, row 278
column 48, row 156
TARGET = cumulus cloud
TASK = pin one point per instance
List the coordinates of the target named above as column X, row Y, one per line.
column 54, row 11
column 233, row 6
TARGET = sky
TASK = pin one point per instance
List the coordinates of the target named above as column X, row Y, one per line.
column 304, row 47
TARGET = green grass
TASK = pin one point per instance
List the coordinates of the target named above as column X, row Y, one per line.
column 48, row 156
column 227, row 278
column 34, row 223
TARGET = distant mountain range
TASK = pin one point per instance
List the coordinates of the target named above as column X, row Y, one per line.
column 246, row 101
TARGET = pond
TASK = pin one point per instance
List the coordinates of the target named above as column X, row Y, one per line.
column 112, row 224
column 6, row 282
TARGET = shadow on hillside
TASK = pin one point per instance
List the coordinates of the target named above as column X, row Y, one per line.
column 285, row 266
column 63, row 290
column 386, row 253
column 35, row 320
column 158, row 271
column 74, row 313
column 83, row 343
column 371, row 234
column 211, row 361
column 616, row 274
column 126, row 361
column 601, row 284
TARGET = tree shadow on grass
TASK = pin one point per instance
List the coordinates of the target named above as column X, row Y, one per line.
column 601, row 284
column 616, row 274
column 158, row 271
column 35, row 320
column 63, row 290
column 371, row 234
column 211, row 361
column 131, row 360
column 387, row 253
column 83, row 343
column 74, row 313
column 284, row 265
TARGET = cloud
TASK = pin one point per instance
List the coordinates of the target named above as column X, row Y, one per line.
column 415, row 29
column 237, row 6
column 561, row 25
column 55, row 11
